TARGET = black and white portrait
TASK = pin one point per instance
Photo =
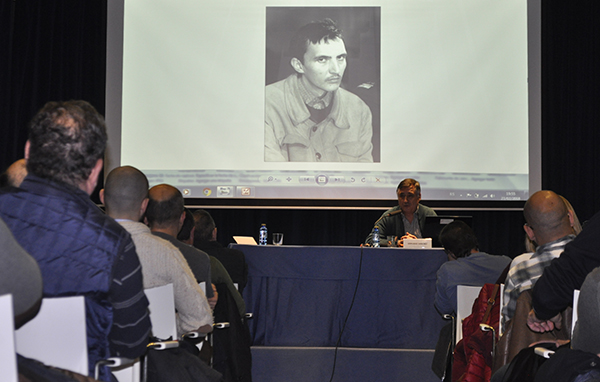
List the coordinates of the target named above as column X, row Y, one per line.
column 322, row 95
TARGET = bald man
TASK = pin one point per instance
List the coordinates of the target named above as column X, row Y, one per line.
column 165, row 215
column 549, row 224
column 554, row 290
column 125, row 196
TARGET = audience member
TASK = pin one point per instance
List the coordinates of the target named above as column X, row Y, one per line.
column 20, row 277
column 232, row 356
column 406, row 220
column 125, row 196
column 530, row 246
column 219, row 273
column 79, row 249
column 549, row 224
column 466, row 265
column 553, row 291
column 578, row 362
column 205, row 239
column 586, row 335
column 165, row 215
column 14, row 174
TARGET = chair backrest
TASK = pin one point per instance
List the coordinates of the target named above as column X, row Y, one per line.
column 162, row 311
column 465, row 296
column 57, row 335
column 8, row 359
column 162, row 316
column 575, row 303
column 500, row 327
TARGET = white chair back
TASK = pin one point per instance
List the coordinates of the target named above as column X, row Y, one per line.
column 465, row 296
column 8, row 358
column 162, row 316
column 575, row 303
column 162, row 311
column 500, row 327
column 57, row 335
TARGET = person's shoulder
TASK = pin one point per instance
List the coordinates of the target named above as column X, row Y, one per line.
column 393, row 209
column 189, row 249
column 139, row 231
column 501, row 260
column 277, row 89
column 521, row 258
column 427, row 211
column 448, row 270
column 350, row 99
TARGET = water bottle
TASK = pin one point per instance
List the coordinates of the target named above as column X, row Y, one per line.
column 376, row 237
column 262, row 235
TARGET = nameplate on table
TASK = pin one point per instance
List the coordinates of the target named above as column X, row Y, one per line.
column 417, row 243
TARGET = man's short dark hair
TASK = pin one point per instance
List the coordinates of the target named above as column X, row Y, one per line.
column 205, row 225
column 406, row 183
column 186, row 229
column 165, row 212
column 313, row 32
column 66, row 140
column 125, row 189
column 458, row 238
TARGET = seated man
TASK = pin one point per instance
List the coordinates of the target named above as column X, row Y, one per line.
column 125, row 196
column 578, row 362
column 406, row 220
column 553, row 291
column 165, row 215
column 466, row 265
column 205, row 239
column 79, row 249
column 550, row 225
column 218, row 273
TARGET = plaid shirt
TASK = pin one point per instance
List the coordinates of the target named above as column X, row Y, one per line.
column 526, row 269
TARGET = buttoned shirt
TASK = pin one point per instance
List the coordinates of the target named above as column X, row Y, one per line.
column 526, row 269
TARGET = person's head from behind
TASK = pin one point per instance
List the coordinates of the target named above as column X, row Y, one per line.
column 205, row 226
column 458, row 240
column 547, row 217
column 186, row 233
column 66, row 144
column 125, row 193
column 409, row 195
column 319, row 55
column 165, row 208
column 530, row 245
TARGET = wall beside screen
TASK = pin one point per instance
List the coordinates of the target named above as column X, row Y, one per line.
column 453, row 87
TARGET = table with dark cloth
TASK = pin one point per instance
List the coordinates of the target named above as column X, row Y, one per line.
column 300, row 296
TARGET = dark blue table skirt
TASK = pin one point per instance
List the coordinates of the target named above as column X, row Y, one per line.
column 300, row 296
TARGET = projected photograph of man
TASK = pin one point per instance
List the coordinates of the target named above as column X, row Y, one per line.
column 322, row 95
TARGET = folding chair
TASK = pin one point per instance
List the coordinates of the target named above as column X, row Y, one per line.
column 465, row 297
column 56, row 336
column 8, row 359
column 164, row 326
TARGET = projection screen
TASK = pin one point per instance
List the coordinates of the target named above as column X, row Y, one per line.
column 444, row 91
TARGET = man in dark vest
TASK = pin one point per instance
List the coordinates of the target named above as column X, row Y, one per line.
column 80, row 250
